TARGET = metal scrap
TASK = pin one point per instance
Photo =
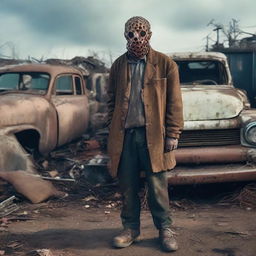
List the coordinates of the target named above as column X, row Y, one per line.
column 40, row 252
column 238, row 233
column 8, row 206
column 54, row 178
column 31, row 186
column 245, row 197
column 98, row 160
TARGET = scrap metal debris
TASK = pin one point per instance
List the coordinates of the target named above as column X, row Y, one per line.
column 98, row 160
column 89, row 64
column 245, row 197
column 237, row 233
column 183, row 204
column 82, row 160
column 57, row 178
column 40, row 252
column 32, row 187
column 14, row 244
column 8, row 206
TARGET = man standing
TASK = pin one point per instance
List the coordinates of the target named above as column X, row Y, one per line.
column 145, row 120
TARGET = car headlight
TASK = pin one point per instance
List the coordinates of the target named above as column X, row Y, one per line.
column 250, row 133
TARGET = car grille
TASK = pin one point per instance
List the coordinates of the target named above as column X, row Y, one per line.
column 210, row 137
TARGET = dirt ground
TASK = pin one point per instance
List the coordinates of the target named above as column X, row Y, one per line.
column 75, row 227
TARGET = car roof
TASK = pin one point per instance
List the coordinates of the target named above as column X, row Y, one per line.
column 198, row 55
column 44, row 68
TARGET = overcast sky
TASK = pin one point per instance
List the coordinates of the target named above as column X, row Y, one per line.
column 67, row 28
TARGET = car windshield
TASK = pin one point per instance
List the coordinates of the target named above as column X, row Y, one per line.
column 202, row 72
column 25, row 81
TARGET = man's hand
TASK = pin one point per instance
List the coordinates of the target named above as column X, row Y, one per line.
column 170, row 144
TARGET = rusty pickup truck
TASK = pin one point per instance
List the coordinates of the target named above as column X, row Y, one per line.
column 42, row 107
column 219, row 139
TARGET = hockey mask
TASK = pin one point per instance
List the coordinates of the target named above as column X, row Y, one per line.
column 137, row 33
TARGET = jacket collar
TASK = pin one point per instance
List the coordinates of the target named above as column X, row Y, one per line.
column 151, row 56
column 150, row 70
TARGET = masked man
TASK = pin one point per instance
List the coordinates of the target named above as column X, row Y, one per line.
column 145, row 121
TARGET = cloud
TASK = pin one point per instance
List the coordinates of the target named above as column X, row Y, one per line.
column 74, row 26
column 193, row 15
column 74, row 21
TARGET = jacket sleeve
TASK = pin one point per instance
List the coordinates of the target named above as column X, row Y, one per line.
column 111, row 96
column 174, row 108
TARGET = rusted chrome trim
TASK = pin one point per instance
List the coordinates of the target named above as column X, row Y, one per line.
column 220, row 154
column 214, row 174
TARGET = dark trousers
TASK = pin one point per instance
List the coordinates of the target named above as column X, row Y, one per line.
column 134, row 159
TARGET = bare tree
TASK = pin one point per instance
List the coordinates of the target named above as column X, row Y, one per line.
column 232, row 33
column 11, row 48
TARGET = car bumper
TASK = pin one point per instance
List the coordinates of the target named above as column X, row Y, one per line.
column 211, row 174
column 214, row 154
column 213, row 164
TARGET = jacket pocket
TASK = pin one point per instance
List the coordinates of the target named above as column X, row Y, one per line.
column 160, row 80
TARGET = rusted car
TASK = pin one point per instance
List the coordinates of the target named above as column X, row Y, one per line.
column 219, row 138
column 42, row 107
column 96, row 84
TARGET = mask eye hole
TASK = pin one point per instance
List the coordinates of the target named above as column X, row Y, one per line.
column 130, row 34
column 142, row 33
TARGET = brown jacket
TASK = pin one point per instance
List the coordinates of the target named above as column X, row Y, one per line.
column 163, row 108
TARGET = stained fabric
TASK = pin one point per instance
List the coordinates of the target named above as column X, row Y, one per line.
column 163, row 108
column 136, row 113
column 134, row 159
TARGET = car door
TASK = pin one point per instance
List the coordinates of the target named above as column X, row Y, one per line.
column 71, row 103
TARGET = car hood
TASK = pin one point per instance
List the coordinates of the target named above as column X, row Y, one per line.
column 21, row 109
column 212, row 103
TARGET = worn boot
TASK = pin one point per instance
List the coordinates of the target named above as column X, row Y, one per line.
column 126, row 238
column 167, row 240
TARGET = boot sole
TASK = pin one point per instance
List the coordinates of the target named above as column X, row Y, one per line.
column 123, row 245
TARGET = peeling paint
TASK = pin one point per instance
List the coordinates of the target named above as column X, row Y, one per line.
column 205, row 103
column 50, row 116
column 212, row 112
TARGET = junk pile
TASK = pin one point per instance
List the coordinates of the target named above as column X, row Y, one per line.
column 31, row 186
column 81, row 164
column 79, row 169
column 8, row 206
column 245, row 197
column 5, row 62
column 90, row 64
